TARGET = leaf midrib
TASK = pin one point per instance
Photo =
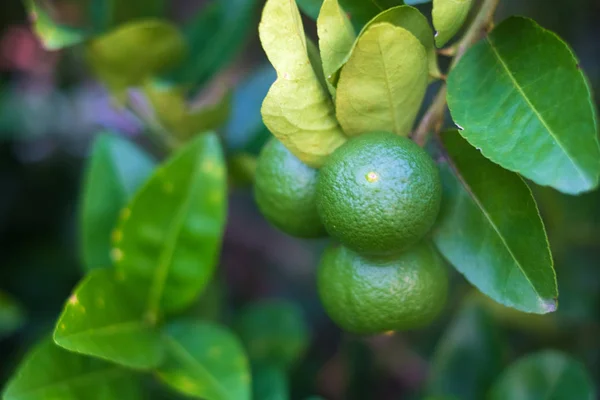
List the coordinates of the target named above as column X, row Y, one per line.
column 187, row 358
column 475, row 199
column 165, row 260
column 107, row 329
column 535, row 111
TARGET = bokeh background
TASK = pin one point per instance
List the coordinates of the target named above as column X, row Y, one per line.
column 51, row 108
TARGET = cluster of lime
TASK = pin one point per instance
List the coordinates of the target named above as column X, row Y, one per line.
column 378, row 195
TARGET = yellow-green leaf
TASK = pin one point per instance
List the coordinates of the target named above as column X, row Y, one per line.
column 448, row 18
column 336, row 39
column 297, row 109
column 178, row 118
column 382, row 85
column 52, row 35
column 130, row 54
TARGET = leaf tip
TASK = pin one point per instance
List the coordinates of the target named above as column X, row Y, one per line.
column 549, row 305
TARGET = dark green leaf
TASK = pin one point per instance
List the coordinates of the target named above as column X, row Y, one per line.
column 105, row 317
column 12, row 315
column 297, row 109
column 205, row 361
column 107, row 14
column 169, row 236
column 245, row 129
column 490, row 230
column 522, row 99
column 54, row 36
column 134, row 52
column 274, row 332
column 382, row 90
column 214, row 37
column 468, row 356
column 548, row 375
column 269, row 383
column 114, row 172
column 448, row 18
column 49, row 372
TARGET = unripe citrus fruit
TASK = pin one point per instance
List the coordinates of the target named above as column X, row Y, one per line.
column 365, row 296
column 285, row 191
column 379, row 193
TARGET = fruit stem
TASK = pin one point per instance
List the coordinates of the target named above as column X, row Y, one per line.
column 434, row 116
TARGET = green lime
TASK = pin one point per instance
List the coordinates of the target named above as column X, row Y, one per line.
column 285, row 191
column 379, row 193
column 367, row 297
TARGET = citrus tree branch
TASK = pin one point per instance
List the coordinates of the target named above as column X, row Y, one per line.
column 434, row 116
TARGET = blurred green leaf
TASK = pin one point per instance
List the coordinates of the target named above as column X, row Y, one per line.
column 489, row 228
column 336, row 39
column 242, row 169
column 245, row 130
column 382, row 90
column 535, row 97
column 114, row 172
column 105, row 317
column 179, row 118
column 269, row 383
column 214, row 36
column 12, row 315
column 548, row 375
column 107, row 14
column 54, row 36
column 49, row 372
column 169, row 236
column 297, row 109
column 448, row 18
column 133, row 52
column 274, row 332
column 205, row 361
column 468, row 357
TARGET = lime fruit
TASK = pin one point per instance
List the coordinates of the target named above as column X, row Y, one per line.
column 366, row 296
column 285, row 191
column 379, row 193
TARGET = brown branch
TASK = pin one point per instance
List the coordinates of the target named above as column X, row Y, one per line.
column 434, row 116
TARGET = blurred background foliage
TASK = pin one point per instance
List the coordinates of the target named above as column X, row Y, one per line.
column 52, row 107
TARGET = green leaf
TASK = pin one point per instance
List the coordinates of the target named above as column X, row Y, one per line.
column 360, row 12
column 53, row 36
column 105, row 317
column 297, row 109
column 269, row 383
column 214, row 37
column 133, row 52
column 548, row 375
column 12, row 315
column 468, row 357
column 489, row 228
column 114, row 172
column 274, row 332
column 169, row 236
column 245, row 129
column 522, row 99
column 205, row 361
column 336, row 39
column 413, row 21
column 49, row 372
column 180, row 119
column 107, row 14
column 448, row 17
column 382, row 90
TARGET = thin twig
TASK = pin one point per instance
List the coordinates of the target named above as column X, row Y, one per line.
column 434, row 116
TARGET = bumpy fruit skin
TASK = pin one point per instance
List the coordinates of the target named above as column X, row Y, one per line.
column 285, row 191
column 379, row 193
column 364, row 296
